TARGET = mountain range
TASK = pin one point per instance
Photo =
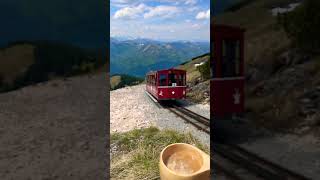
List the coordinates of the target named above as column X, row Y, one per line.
column 138, row 56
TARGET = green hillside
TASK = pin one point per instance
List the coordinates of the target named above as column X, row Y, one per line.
column 282, row 79
column 198, row 81
column 121, row 80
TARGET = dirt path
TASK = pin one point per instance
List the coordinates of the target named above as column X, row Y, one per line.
column 54, row 130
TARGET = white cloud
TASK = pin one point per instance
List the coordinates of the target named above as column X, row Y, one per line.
column 190, row 2
column 126, row 3
column 130, row 12
column 196, row 26
column 203, row 14
column 163, row 31
column 193, row 8
column 161, row 11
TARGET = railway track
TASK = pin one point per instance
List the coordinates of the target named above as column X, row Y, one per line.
column 242, row 164
column 200, row 122
column 232, row 160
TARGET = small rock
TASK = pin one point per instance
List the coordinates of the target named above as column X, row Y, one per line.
column 305, row 100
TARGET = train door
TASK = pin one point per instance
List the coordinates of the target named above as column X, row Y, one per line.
column 163, row 83
column 227, row 66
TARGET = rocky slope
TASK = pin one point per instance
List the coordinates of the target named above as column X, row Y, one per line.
column 198, row 88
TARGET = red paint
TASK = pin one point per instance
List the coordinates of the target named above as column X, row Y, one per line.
column 223, row 86
column 223, row 100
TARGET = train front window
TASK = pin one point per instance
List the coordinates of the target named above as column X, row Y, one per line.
column 180, row 79
column 172, row 79
column 162, row 80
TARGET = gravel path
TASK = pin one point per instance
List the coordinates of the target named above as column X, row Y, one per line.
column 299, row 154
column 131, row 108
column 54, row 130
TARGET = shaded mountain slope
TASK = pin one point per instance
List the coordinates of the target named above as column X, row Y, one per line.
column 25, row 63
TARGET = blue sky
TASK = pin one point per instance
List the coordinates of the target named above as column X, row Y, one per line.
column 169, row 20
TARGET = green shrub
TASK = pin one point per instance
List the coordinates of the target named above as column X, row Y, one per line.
column 204, row 70
column 302, row 26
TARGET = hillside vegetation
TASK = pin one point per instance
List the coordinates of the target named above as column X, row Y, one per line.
column 198, row 78
column 26, row 63
column 283, row 75
column 121, row 80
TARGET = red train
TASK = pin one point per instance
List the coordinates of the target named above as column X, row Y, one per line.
column 227, row 67
column 168, row 84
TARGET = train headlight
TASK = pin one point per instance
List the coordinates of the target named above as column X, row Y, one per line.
column 184, row 92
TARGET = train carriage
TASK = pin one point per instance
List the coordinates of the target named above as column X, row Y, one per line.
column 168, row 84
column 227, row 67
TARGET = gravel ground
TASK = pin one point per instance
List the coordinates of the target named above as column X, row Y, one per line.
column 55, row 130
column 299, row 154
column 131, row 108
column 203, row 109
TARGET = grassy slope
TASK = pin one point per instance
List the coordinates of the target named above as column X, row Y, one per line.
column 274, row 91
column 122, row 80
column 15, row 60
column 197, row 88
column 135, row 154
column 192, row 72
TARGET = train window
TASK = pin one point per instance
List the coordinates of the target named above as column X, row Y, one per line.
column 162, row 80
column 172, row 79
column 231, row 58
column 180, row 80
column 183, row 76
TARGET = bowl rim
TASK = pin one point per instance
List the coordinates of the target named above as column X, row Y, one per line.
column 173, row 172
